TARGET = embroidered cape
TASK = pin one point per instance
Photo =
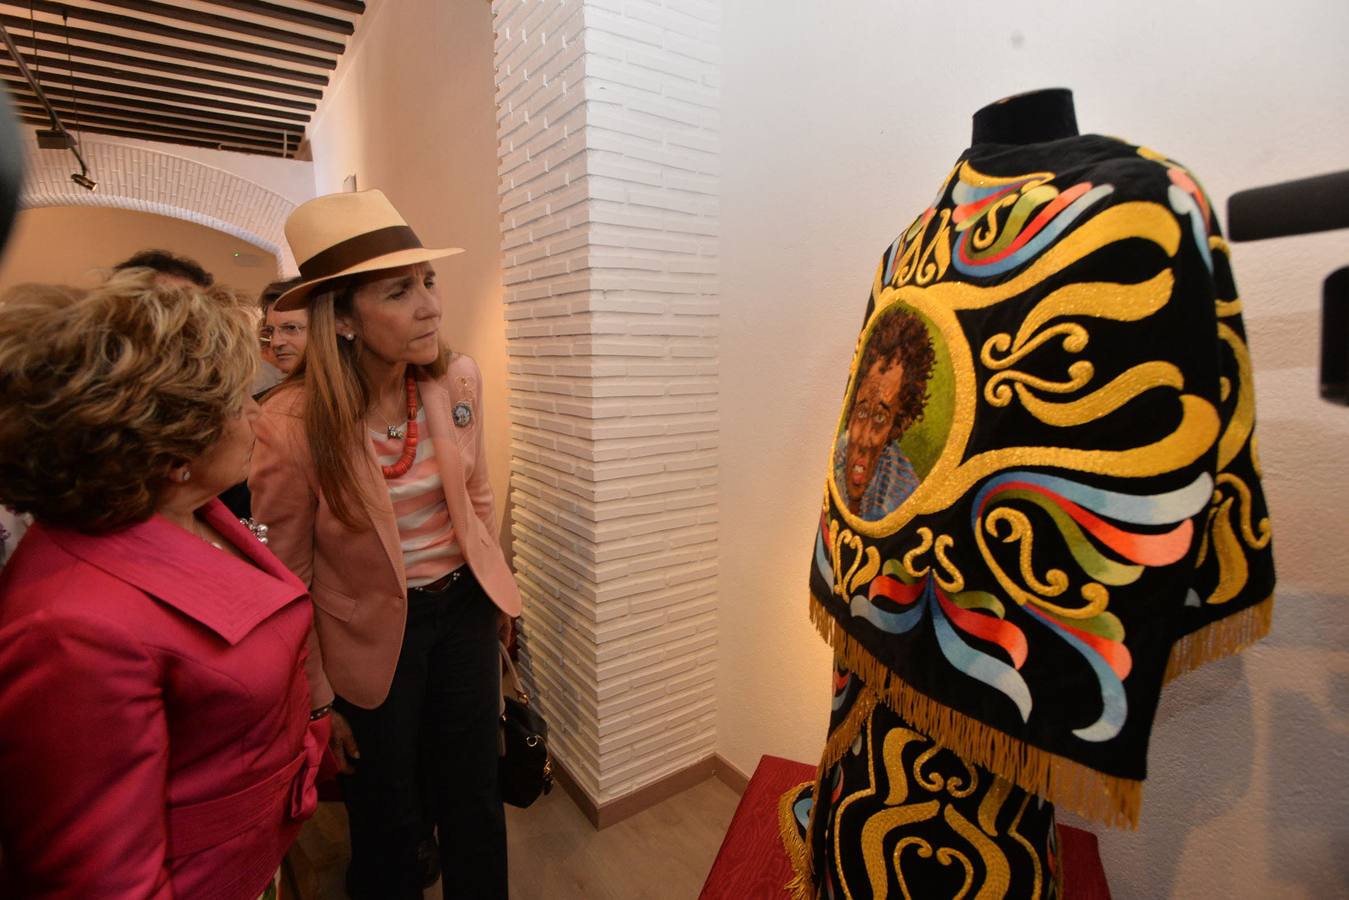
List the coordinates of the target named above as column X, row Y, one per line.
column 1054, row 350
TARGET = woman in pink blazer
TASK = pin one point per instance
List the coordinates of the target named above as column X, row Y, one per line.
column 155, row 729
column 371, row 474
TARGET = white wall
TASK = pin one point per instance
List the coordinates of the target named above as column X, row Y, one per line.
column 839, row 122
column 412, row 112
column 77, row 244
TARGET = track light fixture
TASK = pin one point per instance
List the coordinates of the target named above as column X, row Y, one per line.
column 56, row 137
column 51, row 139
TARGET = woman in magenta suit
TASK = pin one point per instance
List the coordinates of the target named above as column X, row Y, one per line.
column 156, row 737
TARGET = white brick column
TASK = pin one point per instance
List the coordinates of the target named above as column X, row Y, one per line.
column 608, row 131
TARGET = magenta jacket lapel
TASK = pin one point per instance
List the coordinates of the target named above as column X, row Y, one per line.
column 225, row 594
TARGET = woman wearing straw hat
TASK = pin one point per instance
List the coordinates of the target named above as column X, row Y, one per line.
column 371, row 474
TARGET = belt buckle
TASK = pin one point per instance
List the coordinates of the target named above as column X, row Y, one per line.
column 444, row 582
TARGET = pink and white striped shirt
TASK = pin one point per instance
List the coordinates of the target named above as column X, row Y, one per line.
column 425, row 532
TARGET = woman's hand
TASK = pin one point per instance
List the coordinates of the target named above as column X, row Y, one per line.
column 505, row 624
column 343, row 744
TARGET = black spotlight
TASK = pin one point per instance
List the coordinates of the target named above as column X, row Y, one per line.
column 51, row 139
column 84, row 181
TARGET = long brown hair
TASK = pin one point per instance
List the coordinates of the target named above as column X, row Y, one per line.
column 337, row 395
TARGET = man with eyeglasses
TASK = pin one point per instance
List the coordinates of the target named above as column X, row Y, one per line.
column 281, row 339
column 283, row 333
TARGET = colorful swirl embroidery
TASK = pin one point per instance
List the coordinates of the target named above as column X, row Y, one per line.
column 1085, row 517
column 895, row 603
column 1037, row 214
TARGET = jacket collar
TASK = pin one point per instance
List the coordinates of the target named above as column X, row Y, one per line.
column 225, row 594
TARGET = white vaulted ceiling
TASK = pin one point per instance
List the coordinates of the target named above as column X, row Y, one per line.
column 243, row 75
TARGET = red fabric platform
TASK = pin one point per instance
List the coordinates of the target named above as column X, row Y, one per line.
column 751, row 863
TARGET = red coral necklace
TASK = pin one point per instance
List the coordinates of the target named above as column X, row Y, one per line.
column 400, row 468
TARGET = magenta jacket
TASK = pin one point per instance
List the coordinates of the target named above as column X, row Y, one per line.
column 154, row 716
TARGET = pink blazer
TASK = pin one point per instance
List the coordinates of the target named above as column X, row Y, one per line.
column 356, row 578
column 154, row 729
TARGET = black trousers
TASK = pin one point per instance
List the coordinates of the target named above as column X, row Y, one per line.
column 430, row 751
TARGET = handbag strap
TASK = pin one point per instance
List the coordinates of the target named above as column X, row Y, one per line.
column 510, row 679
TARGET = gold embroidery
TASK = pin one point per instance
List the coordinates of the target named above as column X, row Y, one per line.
column 893, row 749
column 873, row 839
column 1232, row 569
column 924, row 545
column 1242, row 422
column 953, row 785
column 1074, row 340
column 1100, row 300
column 1104, row 401
column 991, row 805
column 1134, row 219
column 1222, row 536
column 1196, row 432
column 1016, row 835
column 924, row 851
column 953, row 582
column 971, row 175
column 1019, row 530
column 867, row 791
column 998, row 393
column 869, row 570
column 926, row 259
column 997, row 872
column 1254, row 541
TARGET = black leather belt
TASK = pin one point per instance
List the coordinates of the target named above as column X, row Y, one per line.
column 444, row 582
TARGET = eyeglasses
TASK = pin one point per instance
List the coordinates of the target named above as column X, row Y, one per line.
column 291, row 330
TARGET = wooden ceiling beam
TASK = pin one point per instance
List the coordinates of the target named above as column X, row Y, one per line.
column 126, row 70
column 123, row 117
column 147, row 27
column 350, row 6
column 287, row 14
column 134, row 90
column 166, row 139
column 93, row 101
column 230, row 23
column 159, row 49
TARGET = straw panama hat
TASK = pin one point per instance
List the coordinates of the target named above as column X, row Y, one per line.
column 346, row 234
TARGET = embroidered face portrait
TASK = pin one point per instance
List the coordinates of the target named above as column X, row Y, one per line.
column 873, row 474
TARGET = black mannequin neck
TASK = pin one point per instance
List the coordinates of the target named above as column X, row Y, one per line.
column 1028, row 118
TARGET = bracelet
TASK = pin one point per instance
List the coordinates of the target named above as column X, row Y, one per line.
column 320, row 712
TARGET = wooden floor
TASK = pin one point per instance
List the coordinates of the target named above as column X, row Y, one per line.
column 664, row 852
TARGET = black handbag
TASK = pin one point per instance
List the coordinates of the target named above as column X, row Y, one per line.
column 525, row 770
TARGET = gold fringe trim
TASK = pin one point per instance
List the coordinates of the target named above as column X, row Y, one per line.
column 840, row 740
column 802, row 886
column 1106, row 798
column 847, row 731
column 1220, row 639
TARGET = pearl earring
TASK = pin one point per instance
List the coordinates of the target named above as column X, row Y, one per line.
column 349, row 337
column 185, row 475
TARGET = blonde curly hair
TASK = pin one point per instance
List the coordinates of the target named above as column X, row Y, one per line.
column 104, row 393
